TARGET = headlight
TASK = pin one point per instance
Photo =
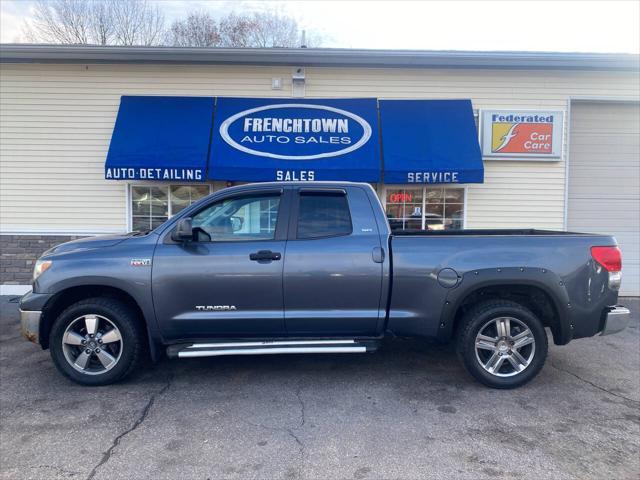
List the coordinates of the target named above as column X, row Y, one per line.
column 40, row 267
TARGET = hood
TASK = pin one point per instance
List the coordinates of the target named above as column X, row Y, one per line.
column 89, row 243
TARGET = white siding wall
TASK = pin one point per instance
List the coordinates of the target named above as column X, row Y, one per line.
column 56, row 122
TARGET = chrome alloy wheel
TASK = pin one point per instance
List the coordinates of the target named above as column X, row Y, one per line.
column 92, row 344
column 505, row 346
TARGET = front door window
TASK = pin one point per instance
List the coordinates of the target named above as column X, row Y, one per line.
column 247, row 218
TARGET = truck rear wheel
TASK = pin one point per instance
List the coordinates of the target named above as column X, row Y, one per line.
column 502, row 344
column 96, row 341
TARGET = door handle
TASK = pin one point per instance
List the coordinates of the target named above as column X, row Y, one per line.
column 377, row 255
column 265, row 255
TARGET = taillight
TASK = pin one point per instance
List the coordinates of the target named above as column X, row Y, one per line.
column 609, row 257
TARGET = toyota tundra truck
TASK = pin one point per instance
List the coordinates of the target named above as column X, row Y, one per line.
column 277, row 268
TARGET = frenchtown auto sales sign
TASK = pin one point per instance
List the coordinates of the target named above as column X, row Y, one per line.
column 295, row 139
column 522, row 133
column 262, row 132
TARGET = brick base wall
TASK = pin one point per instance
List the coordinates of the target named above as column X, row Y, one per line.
column 18, row 253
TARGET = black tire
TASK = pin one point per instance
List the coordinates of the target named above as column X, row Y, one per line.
column 480, row 318
column 129, row 351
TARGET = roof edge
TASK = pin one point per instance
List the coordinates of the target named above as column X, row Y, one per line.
column 318, row 57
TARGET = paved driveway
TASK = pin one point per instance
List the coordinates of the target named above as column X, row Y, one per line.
column 408, row 411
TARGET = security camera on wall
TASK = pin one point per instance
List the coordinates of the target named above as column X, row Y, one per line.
column 298, row 74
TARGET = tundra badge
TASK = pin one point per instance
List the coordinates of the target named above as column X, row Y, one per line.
column 215, row 308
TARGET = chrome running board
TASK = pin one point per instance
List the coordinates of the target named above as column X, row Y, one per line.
column 268, row 347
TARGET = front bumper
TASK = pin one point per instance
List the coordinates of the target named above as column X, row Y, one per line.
column 617, row 320
column 30, row 324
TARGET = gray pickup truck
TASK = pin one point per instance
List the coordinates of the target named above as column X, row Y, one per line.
column 314, row 268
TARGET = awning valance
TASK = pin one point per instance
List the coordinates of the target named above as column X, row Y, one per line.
column 430, row 141
column 180, row 139
column 160, row 138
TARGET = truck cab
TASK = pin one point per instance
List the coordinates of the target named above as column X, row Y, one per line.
column 296, row 246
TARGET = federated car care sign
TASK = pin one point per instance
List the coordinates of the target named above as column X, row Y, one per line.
column 523, row 134
column 295, row 139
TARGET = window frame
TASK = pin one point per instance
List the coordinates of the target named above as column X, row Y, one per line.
column 299, row 192
column 129, row 197
column 424, row 187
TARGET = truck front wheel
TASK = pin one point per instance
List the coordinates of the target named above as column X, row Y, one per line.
column 502, row 344
column 96, row 341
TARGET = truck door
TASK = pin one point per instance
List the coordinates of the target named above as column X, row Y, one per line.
column 228, row 281
column 333, row 270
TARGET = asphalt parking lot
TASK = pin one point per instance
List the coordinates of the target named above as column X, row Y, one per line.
column 408, row 411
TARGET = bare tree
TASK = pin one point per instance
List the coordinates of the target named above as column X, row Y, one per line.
column 260, row 30
column 137, row 23
column 152, row 30
column 102, row 22
column 199, row 29
column 274, row 30
column 235, row 31
column 61, row 21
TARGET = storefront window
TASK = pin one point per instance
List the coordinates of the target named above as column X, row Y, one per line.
column 149, row 207
column 152, row 205
column 425, row 208
column 404, row 208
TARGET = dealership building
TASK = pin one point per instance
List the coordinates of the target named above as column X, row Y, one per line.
column 106, row 140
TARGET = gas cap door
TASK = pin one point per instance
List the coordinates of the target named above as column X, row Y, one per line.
column 448, row 278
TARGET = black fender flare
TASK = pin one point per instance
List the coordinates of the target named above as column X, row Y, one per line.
column 473, row 280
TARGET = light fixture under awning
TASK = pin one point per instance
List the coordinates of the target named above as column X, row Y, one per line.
column 160, row 138
column 430, row 141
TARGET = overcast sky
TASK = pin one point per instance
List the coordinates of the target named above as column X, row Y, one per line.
column 587, row 26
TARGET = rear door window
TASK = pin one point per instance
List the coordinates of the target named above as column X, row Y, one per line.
column 323, row 214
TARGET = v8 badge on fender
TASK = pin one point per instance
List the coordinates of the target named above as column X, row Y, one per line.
column 140, row 262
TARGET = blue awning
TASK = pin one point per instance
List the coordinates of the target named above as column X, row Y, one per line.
column 430, row 141
column 256, row 139
column 160, row 138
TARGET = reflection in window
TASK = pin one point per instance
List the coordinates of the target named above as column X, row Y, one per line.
column 425, row 208
column 184, row 195
column 240, row 219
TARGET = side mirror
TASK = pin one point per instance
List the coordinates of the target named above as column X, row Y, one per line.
column 183, row 231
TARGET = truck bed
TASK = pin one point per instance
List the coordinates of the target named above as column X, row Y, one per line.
column 559, row 263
